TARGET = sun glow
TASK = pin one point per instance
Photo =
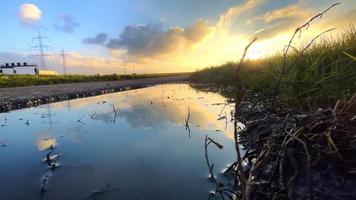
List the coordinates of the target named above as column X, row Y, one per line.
column 263, row 49
column 255, row 53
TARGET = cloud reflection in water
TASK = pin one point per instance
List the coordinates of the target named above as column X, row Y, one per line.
column 160, row 106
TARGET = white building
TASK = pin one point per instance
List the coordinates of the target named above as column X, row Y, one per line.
column 24, row 69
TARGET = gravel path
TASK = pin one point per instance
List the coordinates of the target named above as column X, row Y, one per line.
column 21, row 97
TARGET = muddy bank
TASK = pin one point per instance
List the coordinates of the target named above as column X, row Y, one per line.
column 23, row 97
column 299, row 154
column 294, row 153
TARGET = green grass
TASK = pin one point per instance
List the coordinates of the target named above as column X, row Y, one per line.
column 325, row 72
column 29, row 80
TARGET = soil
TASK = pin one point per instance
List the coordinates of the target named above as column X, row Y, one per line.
column 299, row 154
column 293, row 153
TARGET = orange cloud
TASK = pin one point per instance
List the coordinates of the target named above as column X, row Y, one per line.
column 142, row 41
column 291, row 11
column 230, row 14
column 29, row 13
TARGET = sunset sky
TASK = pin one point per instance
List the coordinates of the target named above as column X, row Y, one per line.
column 117, row 36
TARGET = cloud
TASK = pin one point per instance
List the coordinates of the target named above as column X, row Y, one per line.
column 198, row 31
column 281, row 20
column 151, row 40
column 343, row 21
column 29, row 14
column 136, row 38
column 66, row 23
column 275, row 30
column 230, row 14
column 152, row 45
column 12, row 57
column 289, row 12
column 74, row 59
column 179, row 48
column 145, row 43
column 99, row 39
column 278, row 31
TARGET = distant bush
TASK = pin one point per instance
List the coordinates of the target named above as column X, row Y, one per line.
column 29, row 80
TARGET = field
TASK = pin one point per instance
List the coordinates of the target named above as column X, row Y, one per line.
column 314, row 76
column 29, row 80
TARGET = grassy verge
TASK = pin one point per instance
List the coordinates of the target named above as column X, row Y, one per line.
column 29, row 80
column 319, row 76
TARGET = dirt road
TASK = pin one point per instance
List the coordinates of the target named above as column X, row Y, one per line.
column 21, row 97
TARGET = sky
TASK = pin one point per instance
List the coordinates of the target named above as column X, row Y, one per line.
column 151, row 36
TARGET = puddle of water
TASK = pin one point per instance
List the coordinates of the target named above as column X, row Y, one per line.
column 133, row 143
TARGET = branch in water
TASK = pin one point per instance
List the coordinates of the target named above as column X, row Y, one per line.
column 80, row 120
column 187, row 127
column 238, row 100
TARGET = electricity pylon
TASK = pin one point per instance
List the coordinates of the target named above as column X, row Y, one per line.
column 64, row 61
column 41, row 47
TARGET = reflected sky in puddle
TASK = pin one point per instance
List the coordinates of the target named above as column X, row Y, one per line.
column 134, row 140
column 43, row 144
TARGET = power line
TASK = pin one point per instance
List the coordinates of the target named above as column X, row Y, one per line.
column 41, row 48
column 64, row 61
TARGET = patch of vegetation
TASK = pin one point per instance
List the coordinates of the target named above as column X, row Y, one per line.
column 30, row 80
column 314, row 77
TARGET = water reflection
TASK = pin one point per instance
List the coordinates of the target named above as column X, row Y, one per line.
column 46, row 143
column 156, row 107
column 135, row 140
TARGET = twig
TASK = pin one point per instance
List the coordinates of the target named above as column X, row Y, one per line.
column 210, row 166
column 281, row 151
column 188, row 118
column 219, row 186
column 350, row 56
column 44, row 182
column 226, row 122
column 290, row 182
column 300, row 54
column 223, row 108
column 230, row 168
column 331, row 129
column 113, row 107
column 80, row 119
column 295, row 49
column 115, row 113
column 259, row 161
column 308, row 162
column 215, row 143
column 238, row 99
column 187, row 127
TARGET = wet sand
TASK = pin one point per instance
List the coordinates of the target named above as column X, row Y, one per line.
column 22, row 97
